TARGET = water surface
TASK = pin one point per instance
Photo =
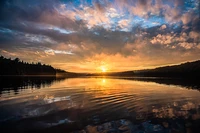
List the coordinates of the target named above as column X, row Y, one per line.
column 77, row 102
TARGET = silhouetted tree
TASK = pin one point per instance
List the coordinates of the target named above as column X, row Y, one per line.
column 15, row 67
column 17, row 60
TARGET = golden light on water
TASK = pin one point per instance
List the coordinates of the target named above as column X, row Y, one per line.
column 103, row 81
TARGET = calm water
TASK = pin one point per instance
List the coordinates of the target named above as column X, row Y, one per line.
column 78, row 102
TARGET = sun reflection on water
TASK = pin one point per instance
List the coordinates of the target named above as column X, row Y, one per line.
column 103, row 81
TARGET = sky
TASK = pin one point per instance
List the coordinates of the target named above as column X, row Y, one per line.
column 100, row 35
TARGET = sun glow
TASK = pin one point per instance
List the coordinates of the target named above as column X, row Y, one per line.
column 103, row 69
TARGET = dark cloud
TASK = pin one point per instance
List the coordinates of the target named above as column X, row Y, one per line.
column 25, row 10
column 142, row 2
column 99, row 6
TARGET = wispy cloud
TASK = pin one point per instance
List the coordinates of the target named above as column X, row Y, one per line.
column 53, row 52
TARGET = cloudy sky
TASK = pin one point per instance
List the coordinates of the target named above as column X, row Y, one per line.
column 92, row 35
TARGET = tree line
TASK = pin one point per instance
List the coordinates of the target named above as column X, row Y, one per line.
column 18, row 67
column 184, row 70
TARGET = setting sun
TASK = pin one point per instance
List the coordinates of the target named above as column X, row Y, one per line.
column 103, row 69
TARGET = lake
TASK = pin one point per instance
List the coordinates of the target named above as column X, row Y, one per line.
column 91, row 104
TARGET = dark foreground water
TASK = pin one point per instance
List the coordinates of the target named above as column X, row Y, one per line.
column 99, row 105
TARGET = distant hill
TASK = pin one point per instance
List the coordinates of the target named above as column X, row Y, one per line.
column 189, row 69
column 185, row 70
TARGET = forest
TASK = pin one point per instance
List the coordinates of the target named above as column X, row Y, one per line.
column 184, row 70
column 18, row 67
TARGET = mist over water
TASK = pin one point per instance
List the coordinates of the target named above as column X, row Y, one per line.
column 46, row 103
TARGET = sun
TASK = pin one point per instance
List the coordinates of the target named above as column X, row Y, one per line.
column 103, row 69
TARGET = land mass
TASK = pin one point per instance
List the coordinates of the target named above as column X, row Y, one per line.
column 184, row 70
column 17, row 67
